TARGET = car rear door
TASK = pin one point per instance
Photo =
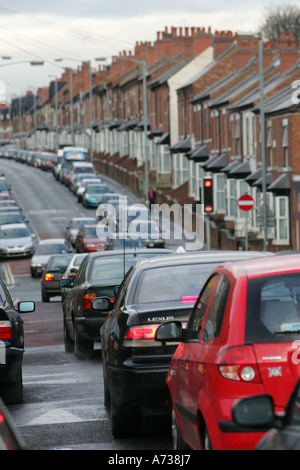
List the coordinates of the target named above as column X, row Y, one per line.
column 187, row 375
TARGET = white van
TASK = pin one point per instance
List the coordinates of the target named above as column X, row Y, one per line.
column 78, row 168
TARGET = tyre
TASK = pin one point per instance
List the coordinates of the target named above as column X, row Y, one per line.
column 45, row 297
column 177, row 441
column 83, row 348
column 207, row 441
column 106, row 390
column 69, row 343
column 13, row 391
column 123, row 422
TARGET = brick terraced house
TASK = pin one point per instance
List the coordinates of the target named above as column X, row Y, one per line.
column 203, row 119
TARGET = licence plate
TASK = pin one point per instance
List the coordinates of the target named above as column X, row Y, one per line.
column 2, row 353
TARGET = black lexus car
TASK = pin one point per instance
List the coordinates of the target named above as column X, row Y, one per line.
column 11, row 346
column 135, row 365
column 98, row 275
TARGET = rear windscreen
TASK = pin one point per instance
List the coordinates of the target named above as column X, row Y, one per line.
column 273, row 309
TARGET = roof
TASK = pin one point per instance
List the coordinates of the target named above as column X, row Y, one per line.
column 197, row 257
column 52, row 240
column 271, row 265
column 137, row 251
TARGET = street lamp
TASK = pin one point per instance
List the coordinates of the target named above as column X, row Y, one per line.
column 32, row 63
column 263, row 148
column 56, row 113
column 144, row 70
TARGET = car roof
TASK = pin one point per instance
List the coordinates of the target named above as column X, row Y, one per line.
column 83, row 218
column 196, row 257
column 51, row 240
column 272, row 265
column 14, row 225
column 133, row 251
column 82, row 164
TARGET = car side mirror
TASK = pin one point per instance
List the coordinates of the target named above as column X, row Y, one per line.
column 170, row 331
column 116, row 289
column 65, row 283
column 102, row 304
column 25, row 306
column 254, row 412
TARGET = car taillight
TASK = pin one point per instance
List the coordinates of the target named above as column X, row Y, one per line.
column 141, row 336
column 239, row 363
column 49, row 277
column 5, row 330
column 87, row 299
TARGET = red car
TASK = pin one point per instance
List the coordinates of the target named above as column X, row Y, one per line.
column 242, row 339
column 88, row 241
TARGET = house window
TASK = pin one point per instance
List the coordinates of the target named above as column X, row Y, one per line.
column 152, row 155
column 164, row 164
column 220, row 192
column 282, row 220
column 231, row 198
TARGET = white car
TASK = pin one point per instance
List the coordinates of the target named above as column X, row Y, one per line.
column 15, row 240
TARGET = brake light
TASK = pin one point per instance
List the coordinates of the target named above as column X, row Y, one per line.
column 239, row 364
column 5, row 330
column 141, row 336
column 87, row 299
column 186, row 299
column 49, row 277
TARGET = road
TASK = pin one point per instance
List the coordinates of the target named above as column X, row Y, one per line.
column 63, row 397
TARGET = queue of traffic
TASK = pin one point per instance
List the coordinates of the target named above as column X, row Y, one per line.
column 208, row 338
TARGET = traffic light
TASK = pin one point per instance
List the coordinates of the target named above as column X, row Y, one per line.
column 208, row 195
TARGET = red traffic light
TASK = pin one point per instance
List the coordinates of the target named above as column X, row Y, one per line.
column 207, row 183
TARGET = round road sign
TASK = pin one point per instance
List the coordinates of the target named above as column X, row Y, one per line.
column 246, row 202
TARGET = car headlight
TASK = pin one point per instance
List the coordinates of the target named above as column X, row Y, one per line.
column 3, row 247
column 28, row 245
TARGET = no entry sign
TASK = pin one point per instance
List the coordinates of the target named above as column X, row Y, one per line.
column 246, row 202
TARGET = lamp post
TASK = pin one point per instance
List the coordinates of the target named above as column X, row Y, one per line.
column 56, row 112
column 145, row 118
column 32, row 63
column 263, row 148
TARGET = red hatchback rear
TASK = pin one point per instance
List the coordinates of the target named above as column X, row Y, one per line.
column 242, row 338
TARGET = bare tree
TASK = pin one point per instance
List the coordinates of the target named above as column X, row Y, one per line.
column 277, row 19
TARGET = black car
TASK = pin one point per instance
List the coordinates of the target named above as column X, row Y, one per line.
column 98, row 275
column 11, row 346
column 53, row 272
column 135, row 365
column 257, row 413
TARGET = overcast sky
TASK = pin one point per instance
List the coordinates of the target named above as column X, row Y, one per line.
column 83, row 30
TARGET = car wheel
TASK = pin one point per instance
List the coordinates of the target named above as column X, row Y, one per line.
column 106, row 391
column 45, row 297
column 207, row 441
column 13, row 393
column 83, row 348
column 177, row 441
column 69, row 344
column 123, row 420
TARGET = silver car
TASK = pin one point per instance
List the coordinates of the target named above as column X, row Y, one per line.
column 15, row 240
column 46, row 248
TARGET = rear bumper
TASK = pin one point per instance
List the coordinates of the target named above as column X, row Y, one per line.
column 143, row 384
column 89, row 327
